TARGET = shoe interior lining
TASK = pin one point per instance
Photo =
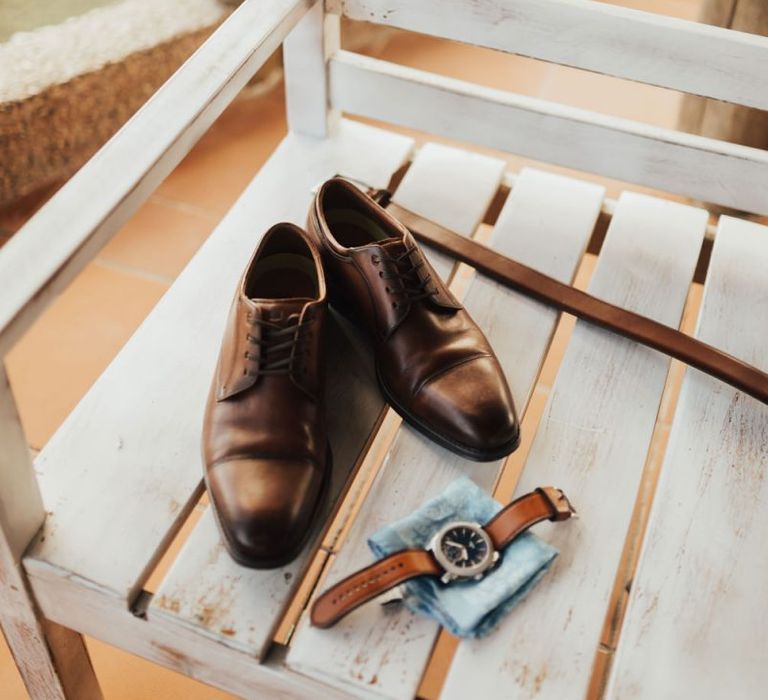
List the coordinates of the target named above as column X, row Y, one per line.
column 283, row 276
column 353, row 220
column 284, row 269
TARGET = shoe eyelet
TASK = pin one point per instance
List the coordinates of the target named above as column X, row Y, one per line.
column 394, row 304
column 375, row 259
column 381, row 273
column 389, row 291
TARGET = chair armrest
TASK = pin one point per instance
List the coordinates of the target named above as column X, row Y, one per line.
column 49, row 251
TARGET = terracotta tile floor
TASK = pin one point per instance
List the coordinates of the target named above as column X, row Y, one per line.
column 76, row 338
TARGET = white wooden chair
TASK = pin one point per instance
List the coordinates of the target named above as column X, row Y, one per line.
column 83, row 527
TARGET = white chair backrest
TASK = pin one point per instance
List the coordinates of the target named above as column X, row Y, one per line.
column 641, row 46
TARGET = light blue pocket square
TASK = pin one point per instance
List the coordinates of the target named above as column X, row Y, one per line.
column 469, row 608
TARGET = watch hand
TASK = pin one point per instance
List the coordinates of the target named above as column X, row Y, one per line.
column 451, row 543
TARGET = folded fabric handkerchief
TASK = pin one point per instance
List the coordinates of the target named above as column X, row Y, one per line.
column 467, row 608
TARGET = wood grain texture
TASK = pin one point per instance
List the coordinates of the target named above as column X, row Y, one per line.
column 546, row 222
column 97, row 614
column 620, row 41
column 305, row 53
column 53, row 661
column 205, row 589
column 125, row 467
column 592, row 443
column 697, row 624
column 94, row 204
column 712, row 171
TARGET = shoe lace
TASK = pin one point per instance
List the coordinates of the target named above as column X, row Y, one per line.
column 277, row 345
column 406, row 269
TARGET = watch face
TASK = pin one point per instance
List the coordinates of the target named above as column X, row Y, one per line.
column 463, row 549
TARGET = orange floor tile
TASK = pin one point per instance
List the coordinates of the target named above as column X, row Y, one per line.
column 226, row 159
column 160, row 239
column 67, row 349
column 64, row 353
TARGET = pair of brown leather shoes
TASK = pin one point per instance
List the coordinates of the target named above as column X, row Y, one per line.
column 267, row 459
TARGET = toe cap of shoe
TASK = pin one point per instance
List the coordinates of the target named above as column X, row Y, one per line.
column 471, row 407
column 264, row 506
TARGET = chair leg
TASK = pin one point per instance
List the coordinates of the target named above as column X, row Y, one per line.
column 53, row 660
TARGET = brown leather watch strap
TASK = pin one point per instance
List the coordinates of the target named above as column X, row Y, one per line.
column 585, row 306
column 370, row 582
column 546, row 503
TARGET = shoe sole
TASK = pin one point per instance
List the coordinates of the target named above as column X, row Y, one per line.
column 276, row 562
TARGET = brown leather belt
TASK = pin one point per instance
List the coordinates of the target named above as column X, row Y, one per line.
column 562, row 296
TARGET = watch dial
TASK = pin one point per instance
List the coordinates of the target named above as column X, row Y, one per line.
column 463, row 547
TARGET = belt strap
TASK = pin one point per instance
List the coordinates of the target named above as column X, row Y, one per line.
column 562, row 296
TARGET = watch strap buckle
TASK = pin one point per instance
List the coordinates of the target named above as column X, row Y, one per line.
column 562, row 509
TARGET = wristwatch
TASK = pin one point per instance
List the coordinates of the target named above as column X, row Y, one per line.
column 459, row 551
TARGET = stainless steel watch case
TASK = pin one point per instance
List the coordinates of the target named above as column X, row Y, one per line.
column 451, row 572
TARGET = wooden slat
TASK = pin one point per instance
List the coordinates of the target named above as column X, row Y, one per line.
column 643, row 46
column 592, row 443
column 546, row 222
column 305, row 52
column 173, row 645
column 697, row 623
column 53, row 662
column 21, row 506
column 707, row 169
column 87, row 211
column 123, row 470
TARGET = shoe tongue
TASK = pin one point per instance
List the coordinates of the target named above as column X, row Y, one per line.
column 279, row 310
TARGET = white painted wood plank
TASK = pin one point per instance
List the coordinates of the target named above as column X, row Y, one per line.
column 643, row 46
column 697, row 623
column 125, row 466
column 592, row 443
column 95, row 614
column 21, row 506
column 305, row 53
column 695, row 166
column 546, row 222
column 51, row 665
column 92, row 206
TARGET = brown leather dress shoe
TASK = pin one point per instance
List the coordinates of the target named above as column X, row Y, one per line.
column 435, row 366
column 267, row 461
